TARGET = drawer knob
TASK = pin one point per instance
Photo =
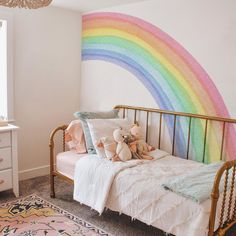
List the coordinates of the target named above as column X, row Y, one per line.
column 1, row 181
column 1, row 159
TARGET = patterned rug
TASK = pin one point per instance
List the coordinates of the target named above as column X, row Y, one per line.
column 34, row 216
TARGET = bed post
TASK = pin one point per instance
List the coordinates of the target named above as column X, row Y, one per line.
column 214, row 200
column 229, row 186
column 51, row 146
column 53, row 172
column 215, row 197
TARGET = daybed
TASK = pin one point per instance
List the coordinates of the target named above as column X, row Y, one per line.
column 138, row 191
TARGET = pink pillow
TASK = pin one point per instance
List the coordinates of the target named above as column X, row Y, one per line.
column 74, row 137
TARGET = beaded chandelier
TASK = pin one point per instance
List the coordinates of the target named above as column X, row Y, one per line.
column 30, row 4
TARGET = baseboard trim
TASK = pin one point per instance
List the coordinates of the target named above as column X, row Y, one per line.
column 34, row 172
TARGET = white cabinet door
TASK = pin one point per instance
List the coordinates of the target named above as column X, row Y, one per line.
column 5, row 179
column 5, row 158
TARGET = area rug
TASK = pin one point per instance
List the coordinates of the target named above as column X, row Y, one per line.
column 34, row 216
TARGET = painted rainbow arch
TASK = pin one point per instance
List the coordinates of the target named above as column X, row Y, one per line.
column 173, row 77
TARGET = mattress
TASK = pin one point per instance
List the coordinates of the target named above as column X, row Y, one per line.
column 65, row 162
column 137, row 192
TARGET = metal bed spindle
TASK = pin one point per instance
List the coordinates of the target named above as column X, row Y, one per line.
column 135, row 116
column 173, row 139
column 189, row 137
column 222, row 143
column 205, row 141
column 147, row 119
column 64, row 146
column 123, row 113
column 160, row 125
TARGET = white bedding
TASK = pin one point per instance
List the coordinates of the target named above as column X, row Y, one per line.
column 94, row 176
column 93, row 179
column 137, row 192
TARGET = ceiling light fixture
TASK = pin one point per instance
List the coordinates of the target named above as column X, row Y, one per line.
column 30, row 4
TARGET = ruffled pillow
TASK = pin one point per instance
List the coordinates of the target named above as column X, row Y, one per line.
column 74, row 137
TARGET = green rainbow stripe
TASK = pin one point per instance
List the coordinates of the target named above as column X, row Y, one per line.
column 173, row 77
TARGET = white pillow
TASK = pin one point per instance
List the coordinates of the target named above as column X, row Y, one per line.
column 100, row 128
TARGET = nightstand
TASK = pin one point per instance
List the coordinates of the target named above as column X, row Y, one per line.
column 8, row 159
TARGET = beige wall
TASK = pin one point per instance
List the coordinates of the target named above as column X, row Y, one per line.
column 46, row 80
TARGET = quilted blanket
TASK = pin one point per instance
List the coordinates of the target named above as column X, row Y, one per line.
column 94, row 177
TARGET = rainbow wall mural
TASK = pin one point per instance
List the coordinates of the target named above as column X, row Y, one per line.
column 173, row 77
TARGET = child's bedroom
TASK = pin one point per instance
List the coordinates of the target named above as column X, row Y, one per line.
column 117, row 118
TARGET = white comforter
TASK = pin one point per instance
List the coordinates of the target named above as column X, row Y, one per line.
column 94, row 176
column 93, row 180
column 136, row 190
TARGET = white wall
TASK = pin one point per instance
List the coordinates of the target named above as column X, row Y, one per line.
column 3, row 69
column 206, row 28
column 46, row 77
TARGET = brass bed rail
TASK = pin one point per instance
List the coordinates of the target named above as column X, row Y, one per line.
column 175, row 114
column 223, row 204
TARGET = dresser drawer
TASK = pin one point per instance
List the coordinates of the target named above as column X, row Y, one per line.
column 5, row 179
column 5, row 139
column 5, row 158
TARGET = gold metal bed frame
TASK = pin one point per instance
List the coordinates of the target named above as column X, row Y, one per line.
column 226, row 173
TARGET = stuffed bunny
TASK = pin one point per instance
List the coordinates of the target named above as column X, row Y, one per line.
column 123, row 152
column 139, row 147
column 109, row 146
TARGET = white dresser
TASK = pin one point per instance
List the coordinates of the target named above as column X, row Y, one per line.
column 9, row 159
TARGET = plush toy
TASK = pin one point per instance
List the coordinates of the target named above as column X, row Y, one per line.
column 109, row 146
column 139, row 147
column 123, row 152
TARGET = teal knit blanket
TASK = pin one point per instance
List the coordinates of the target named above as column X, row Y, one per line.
column 196, row 185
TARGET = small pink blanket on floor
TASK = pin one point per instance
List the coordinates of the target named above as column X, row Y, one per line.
column 74, row 137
